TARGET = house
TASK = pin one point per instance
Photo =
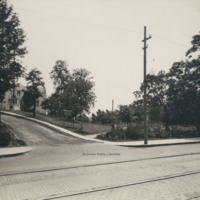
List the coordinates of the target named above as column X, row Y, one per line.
column 13, row 99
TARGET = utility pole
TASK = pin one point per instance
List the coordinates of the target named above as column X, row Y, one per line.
column 112, row 105
column 112, row 117
column 145, row 90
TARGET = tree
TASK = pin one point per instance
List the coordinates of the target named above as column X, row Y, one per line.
column 137, row 110
column 157, row 86
column 12, row 38
column 184, row 92
column 74, row 91
column 33, row 92
column 52, row 104
column 184, row 87
column 79, row 93
column 195, row 45
column 60, row 75
column 104, row 117
column 125, row 114
column 27, row 101
column 157, row 98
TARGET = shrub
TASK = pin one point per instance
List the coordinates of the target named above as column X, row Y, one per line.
column 157, row 131
column 134, row 132
column 4, row 137
column 178, row 133
column 114, row 135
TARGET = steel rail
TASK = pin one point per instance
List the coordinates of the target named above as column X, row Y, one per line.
column 97, row 164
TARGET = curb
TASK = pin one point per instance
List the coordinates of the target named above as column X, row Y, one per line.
column 157, row 145
column 151, row 145
column 14, row 151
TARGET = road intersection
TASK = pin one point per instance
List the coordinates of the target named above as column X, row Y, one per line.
column 65, row 167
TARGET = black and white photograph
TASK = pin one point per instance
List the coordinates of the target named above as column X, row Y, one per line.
column 99, row 99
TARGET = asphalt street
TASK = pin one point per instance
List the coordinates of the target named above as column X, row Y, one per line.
column 64, row 167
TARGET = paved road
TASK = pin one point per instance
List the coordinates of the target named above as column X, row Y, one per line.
column 62, row 167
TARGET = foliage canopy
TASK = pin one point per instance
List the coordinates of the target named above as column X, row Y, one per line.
column 12, row 38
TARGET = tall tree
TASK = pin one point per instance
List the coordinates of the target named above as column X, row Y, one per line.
column 33, row 88
column 195, row 45
column 60, row 75
column 80, row 92
column 27, row 101
column 184, row 92
column 157, row 98
column 157, row 86
column 74, row 91
column 12, row 38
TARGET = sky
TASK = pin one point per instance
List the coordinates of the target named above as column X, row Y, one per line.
column 105, row 37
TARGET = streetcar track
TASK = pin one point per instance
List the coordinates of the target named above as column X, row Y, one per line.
column 161, row 178
column 193, row 198
column 93, row 165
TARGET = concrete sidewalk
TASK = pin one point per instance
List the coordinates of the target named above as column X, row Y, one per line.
column 151, row 143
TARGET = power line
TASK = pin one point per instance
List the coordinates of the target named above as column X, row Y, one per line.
column 80, row 21
column 100, row 25
column 169, row 30
column 171, row 41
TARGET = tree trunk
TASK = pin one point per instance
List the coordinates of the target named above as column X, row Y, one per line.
column 34, row 106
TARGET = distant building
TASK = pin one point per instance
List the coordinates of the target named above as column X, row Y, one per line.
column 152, row 72
column 13, row 99
column 39, row 108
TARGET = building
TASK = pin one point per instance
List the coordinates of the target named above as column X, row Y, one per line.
column 13, row 99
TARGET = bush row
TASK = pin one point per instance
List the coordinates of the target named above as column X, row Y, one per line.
column 136, row 132
column 132, row 132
